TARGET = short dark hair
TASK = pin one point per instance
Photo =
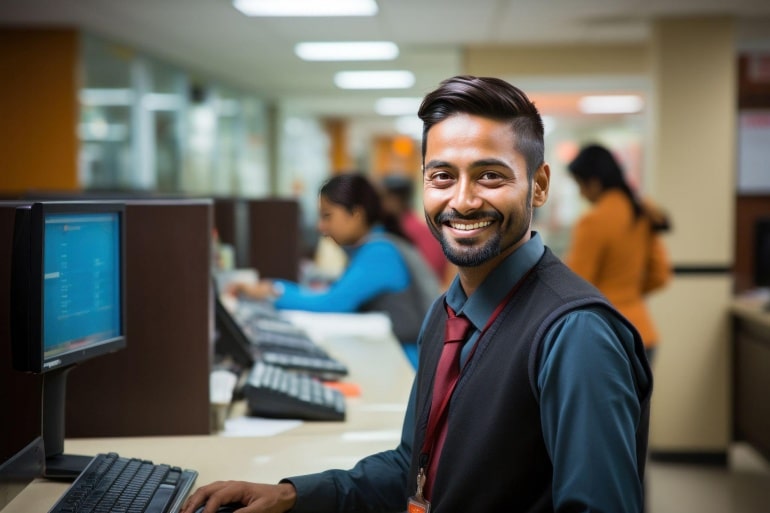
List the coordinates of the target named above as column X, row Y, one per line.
column 491, row 98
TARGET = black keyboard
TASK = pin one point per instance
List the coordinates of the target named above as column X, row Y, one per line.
column 320, row 366
column 273, row 392
column 264, row 337
column 292, row 349
column 111, row 483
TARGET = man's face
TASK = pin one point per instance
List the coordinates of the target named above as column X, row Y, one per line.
column 478, row 201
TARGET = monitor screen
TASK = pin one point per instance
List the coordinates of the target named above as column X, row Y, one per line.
column 230, row 341
column 67, row 282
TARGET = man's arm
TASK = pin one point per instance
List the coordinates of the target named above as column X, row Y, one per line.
column 377, row 482
column 590, row 410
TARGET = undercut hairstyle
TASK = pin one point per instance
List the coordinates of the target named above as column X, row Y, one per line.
column 491, row 98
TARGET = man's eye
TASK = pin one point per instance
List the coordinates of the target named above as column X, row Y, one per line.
column 440, row 176
column 490, row 175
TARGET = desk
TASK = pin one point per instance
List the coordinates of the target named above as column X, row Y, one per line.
column 265, row 459
column 376, row 363
column 751, row 375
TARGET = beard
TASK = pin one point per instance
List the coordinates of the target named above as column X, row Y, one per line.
column 465, row 252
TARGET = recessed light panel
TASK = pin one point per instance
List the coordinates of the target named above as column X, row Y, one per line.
column 347, row 51
column 399, row 79
column 306, row 7
column 397, row 106
column 611, row 104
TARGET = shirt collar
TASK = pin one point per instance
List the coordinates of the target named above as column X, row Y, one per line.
column 479, row 307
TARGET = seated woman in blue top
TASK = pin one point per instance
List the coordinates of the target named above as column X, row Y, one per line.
column 384, row 271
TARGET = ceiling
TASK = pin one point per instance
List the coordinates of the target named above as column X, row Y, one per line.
column 213, row 39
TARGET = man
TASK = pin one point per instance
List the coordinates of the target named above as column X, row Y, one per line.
column 550, row 409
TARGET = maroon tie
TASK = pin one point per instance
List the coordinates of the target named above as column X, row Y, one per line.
column 446, row 374
column 449, row 363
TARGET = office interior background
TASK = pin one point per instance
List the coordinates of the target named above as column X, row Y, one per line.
column 193, row 98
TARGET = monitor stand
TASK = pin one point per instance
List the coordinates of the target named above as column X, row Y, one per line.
column 57, row 464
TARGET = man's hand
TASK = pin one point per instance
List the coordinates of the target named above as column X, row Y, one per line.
column 255, row 498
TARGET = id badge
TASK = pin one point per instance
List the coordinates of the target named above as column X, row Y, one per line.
column 418, row 503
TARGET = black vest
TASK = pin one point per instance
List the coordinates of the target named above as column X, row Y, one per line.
column 494, row 457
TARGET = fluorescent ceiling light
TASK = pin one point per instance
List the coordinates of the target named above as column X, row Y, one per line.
column 347, row 51
column 611, row 104
column 306, row 7
column 374, row 79
column 397, row 106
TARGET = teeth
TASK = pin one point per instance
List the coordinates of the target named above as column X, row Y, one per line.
column 468, row 227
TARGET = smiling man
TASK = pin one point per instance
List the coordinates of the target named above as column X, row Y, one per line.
column 539, row 399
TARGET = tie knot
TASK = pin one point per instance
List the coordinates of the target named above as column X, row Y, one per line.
column 456, row 328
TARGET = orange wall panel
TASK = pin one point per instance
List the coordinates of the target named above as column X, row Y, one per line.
column 38, row 109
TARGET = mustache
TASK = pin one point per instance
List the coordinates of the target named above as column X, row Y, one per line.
column 453, row 215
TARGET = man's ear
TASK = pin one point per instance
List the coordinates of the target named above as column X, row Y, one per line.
column 540, row 184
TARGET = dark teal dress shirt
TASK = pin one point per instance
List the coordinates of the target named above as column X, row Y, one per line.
column 592, row 447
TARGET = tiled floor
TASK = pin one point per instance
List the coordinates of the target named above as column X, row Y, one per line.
column 743, row 486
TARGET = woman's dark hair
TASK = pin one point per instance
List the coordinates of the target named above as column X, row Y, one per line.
column 594, row 161
column 597, row 162
column 351, row 190
column 491, row 98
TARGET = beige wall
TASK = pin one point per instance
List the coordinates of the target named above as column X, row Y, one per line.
column 695, row 91
column 557, row 60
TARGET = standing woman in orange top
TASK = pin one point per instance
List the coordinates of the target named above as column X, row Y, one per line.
column 616, row 244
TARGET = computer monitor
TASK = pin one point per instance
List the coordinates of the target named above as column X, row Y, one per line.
column 230, row 340
column 67, row 302
column 762, row 252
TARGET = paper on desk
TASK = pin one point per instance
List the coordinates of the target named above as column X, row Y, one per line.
column 258, row 426
column 329, row 325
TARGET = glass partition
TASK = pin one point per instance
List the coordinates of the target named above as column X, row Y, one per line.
column 147, row 125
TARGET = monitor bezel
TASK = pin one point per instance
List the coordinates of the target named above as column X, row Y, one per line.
column 761, row 252
column 27, row 300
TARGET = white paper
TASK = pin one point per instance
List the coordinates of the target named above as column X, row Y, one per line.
column 258, row 426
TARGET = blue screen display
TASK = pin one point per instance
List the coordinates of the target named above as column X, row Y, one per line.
column 81, row 284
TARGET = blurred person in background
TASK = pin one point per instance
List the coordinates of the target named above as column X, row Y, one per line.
column 616, row 245
column 398, row 200
column 384, row 271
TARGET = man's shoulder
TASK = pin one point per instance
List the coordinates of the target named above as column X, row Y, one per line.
column 553, row 272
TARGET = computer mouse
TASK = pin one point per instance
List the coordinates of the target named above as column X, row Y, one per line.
column 224, row 508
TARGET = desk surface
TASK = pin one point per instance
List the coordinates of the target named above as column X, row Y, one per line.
column 376, row 363
column 752, row 310
column 265, row 459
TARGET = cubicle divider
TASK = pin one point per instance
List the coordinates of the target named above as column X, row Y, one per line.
column 265, row 233
column 159, row 384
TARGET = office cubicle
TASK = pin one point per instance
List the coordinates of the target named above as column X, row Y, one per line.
column 159, row 384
